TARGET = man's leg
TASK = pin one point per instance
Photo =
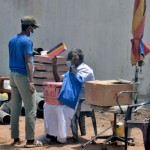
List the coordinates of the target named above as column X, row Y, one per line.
column 29, row 105
column 15, row 108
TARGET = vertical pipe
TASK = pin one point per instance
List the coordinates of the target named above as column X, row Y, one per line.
column 136, row 74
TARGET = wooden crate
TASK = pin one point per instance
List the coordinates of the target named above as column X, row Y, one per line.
column 103, row 92
column 43, row 70
column 46, row 59
column 51, row 91
column 49, row 67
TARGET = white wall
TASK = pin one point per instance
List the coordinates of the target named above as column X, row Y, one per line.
column 101, row 28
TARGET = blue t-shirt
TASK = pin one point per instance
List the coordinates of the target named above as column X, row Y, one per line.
column 19, row 45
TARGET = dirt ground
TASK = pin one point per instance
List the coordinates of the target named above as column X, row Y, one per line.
column 103, row 122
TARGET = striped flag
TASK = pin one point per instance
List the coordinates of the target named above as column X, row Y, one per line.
column 139, row 47
column 55, row 51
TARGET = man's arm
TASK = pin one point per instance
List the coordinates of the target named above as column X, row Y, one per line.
column 29, row 67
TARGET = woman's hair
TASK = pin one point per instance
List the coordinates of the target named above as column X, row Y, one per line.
column 78, row 52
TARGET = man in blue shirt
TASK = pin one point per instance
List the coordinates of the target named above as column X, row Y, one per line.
column 21, row 80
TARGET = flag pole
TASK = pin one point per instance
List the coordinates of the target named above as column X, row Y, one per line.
column 138, row 69
column 136, row 73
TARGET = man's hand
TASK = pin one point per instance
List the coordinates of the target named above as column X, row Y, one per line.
column 32, row 88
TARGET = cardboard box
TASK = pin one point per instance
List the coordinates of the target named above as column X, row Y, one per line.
column 103, row 92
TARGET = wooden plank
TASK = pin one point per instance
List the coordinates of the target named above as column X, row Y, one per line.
column 40, row 74
column 49, row 67
column 38, row 81
column 47, row 75
column 46, row 59
column 42, row 59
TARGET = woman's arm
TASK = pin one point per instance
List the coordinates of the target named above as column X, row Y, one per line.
column 55, row 71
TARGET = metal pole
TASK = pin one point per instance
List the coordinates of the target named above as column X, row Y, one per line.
column 136, row 79
column 95, row 137
column 135, row 102
column 136, row 74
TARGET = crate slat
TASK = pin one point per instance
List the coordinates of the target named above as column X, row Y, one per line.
column 49, row 67
column 46, row 59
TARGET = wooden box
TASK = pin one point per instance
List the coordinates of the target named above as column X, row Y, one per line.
column 43, row 70
column 103, row 92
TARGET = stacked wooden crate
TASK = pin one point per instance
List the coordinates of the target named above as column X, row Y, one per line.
column 43, row 70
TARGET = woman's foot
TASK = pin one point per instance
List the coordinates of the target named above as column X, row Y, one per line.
column 53, row 139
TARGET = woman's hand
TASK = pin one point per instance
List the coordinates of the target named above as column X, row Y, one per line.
column 75, row 59
column 72, row 69
column 54, row 60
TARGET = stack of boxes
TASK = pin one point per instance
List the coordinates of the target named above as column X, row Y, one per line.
column 43, row 70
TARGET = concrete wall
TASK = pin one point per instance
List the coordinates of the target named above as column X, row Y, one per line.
column 102, row 28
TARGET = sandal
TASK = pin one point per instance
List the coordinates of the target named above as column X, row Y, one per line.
column 36, row 143
column 19, row 142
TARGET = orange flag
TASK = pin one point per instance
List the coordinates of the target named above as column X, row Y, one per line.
column 139, row 47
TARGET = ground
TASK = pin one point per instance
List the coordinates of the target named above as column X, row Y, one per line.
column 103, row 122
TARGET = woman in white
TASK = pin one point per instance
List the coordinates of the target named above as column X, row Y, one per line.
column 57, row 118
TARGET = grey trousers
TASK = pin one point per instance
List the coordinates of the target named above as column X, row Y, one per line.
column 20, row 92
